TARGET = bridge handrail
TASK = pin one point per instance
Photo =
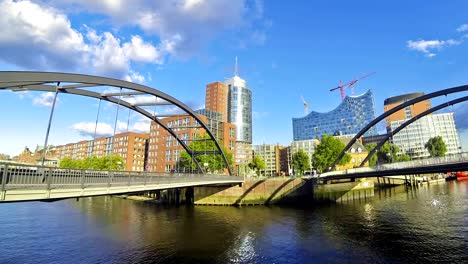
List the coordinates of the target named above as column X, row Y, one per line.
column 448, row 159
column 14, row 176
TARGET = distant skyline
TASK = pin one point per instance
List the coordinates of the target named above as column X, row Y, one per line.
column 284, row 51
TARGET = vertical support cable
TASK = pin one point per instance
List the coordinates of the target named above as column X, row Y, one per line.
column 128, row 120
column 115, row 128
column 48, row 126
column 95, row 127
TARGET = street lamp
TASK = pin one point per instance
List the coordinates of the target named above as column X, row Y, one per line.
column 389, row 157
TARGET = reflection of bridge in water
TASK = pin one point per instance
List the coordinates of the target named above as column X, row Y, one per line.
column 29, row 183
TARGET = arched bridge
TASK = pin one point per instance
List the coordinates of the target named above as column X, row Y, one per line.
column 87, row 85
column 21, row 182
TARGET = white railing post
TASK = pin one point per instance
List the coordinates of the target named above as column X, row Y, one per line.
column 48, row 180
column 4, row 180
column 82, row 178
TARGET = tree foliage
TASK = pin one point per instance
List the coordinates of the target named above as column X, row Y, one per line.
column 326, row 153
column 257, row 164
column 388, row 153
column 301, row 162
column 215, row 162
column 436, row 146
column 112, row 162
column 373, row 159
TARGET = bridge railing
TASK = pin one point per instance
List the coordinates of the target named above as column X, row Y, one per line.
column 452, row 158
column 448, row 159
column 15, row 176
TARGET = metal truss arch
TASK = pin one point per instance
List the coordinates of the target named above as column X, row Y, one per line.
column 46, row 82
column 410, row 121
column 452, row 90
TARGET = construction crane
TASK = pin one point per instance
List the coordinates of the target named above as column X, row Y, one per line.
column 306, row 106
column 351, row 84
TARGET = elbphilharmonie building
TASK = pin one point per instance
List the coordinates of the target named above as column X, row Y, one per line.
column 349, row 117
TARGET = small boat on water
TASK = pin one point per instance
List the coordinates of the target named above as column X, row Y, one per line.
column 451, row 176
column 462, row 175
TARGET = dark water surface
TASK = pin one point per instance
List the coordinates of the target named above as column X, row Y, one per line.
column 424, row 225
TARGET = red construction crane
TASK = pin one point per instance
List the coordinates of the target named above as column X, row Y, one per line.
column 349, row 84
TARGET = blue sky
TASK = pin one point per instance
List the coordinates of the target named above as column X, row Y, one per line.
column 285, row 51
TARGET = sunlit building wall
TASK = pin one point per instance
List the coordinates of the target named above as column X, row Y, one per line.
column 411, row 139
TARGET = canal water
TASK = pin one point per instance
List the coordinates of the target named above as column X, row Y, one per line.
column 399, row 225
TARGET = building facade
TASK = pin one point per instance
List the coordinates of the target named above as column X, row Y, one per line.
column 308, row 146
column 411, row 139
column 164, row 150
column 130, row 146
column 270, row 154
column 409, row 111
column 216, row 99
column 353, row 113
column 239, row 112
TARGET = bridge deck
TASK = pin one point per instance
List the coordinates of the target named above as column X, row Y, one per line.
column 28, row 183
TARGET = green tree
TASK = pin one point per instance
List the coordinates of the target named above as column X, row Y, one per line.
column 300, row 162
column 388, row 153
column 257, row 164
column 436, row 146
column 215, row 162
column 112, row 162
column 326, row 153
column 373, row 159
column 67, row 163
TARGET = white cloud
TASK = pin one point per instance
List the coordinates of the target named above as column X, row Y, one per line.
column 39, row 37
column 102, row 129
column 428, row 46
column 88, row 129
column 44, row 99
column 462, row 28
column 142, row 126
column 184, row 24
column 134, row 77
column 138, row 50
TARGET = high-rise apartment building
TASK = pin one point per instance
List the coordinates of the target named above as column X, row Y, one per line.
column 409, row 111
column 216, row 99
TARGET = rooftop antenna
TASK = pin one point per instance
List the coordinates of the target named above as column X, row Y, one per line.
column 306, row 106
column 236, row 69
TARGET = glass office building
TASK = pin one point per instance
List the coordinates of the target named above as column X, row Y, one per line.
column 349, row 117
column 240, row 108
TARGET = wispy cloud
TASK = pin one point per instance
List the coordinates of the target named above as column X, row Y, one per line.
column 428, row 47
column 44, row 99
column 87, row 129
column 259, row 115
column 462, row 28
